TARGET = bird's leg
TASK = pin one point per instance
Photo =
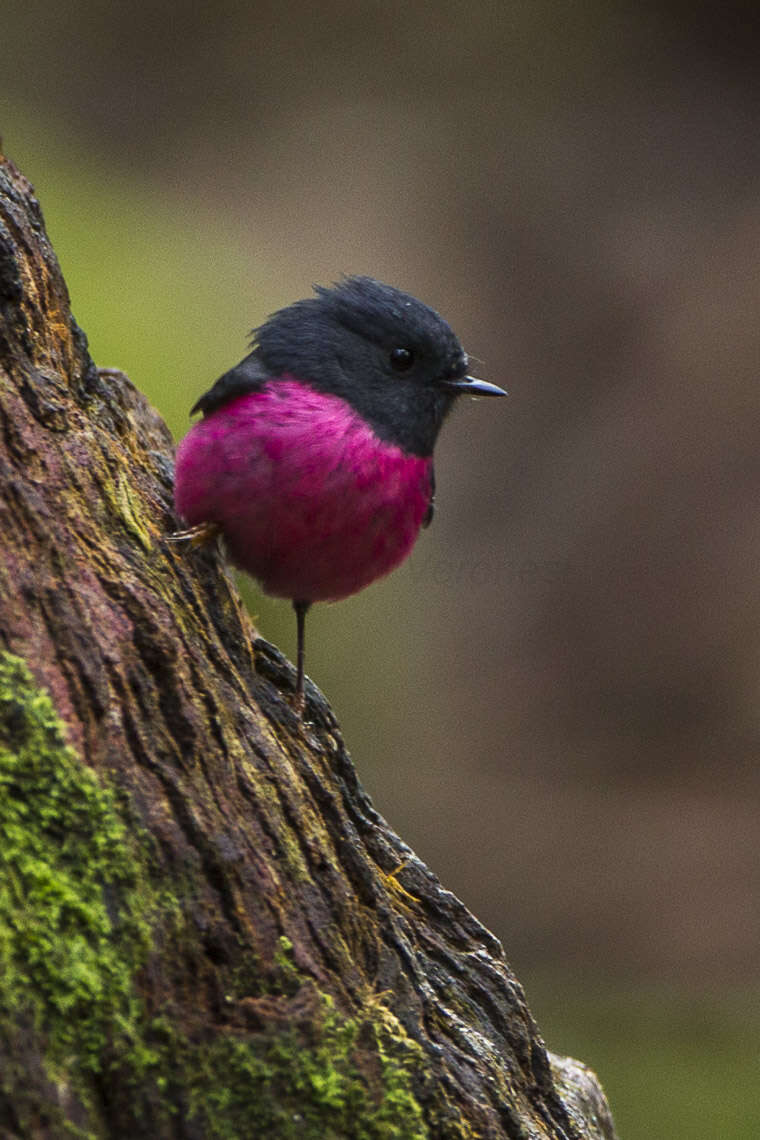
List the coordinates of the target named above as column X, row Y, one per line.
column 201, row 535
column 299, row 702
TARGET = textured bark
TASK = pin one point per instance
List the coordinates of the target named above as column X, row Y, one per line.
column 268, row 976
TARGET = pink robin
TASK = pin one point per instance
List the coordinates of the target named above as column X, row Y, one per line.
column 314, row 457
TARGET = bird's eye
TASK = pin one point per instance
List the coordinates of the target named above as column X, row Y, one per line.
column 401, row 359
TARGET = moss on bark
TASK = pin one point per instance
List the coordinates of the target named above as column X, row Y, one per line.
column 79, row 905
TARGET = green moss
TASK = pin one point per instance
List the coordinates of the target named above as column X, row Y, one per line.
column 288, row 979
column 336, row 1079
column 313, row 1074
column 74, row 905
column 77, row 916
column 65, row 850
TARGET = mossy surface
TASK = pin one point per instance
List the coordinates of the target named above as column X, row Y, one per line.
column 79, row 907
column 75, row 907
column 311, row 1085
column 317, row 1076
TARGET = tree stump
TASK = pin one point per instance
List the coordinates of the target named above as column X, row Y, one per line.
column 207, row 930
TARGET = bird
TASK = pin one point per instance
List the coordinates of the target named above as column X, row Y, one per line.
column 313, row 459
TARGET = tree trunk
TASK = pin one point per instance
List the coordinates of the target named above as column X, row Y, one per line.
column 201, row 931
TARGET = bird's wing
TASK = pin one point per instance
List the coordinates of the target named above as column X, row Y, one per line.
column 431, row 503
column 249, row 375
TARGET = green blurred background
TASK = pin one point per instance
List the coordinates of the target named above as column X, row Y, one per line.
column 556, row 700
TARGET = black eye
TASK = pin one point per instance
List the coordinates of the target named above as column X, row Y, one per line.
column 401, row 359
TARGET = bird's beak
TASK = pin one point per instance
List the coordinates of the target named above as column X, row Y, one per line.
column 473, row 386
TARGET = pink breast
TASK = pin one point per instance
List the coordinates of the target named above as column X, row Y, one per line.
column 310, row 501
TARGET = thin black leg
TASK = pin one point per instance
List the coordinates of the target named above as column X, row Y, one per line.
column 301, row 609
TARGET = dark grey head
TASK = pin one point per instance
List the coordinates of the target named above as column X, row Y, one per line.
column 396, row 361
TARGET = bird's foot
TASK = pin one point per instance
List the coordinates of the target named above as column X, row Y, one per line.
column 201, row 535
column 298, row 703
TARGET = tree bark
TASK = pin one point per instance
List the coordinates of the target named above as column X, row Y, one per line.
column 203, row 928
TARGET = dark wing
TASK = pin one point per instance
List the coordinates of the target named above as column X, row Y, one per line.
column 249, row 375
column 431, row 505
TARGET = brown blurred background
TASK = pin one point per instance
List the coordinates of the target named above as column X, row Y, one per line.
column 556, row 700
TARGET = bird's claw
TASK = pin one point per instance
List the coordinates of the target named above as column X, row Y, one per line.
column 201, row 535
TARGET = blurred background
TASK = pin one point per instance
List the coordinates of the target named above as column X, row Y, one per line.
column 555, row 701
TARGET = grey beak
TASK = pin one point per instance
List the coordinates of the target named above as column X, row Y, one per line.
column 475, row 387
